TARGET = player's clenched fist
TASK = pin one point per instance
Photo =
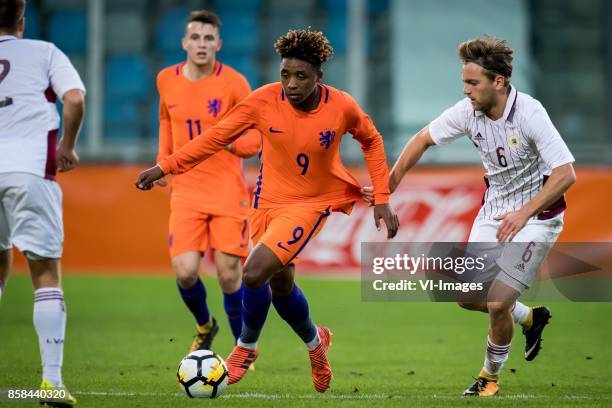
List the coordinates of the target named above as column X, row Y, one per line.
column 385, row 212
column 66, row 158
column 146, row 179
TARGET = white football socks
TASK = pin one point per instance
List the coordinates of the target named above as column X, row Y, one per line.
column 312, row 344
column 520, row 312
column 495, row 357
column 50, row 325
column 250, row 346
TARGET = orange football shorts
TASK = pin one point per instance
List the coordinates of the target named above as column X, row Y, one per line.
column 194, row 231
column 287, row 230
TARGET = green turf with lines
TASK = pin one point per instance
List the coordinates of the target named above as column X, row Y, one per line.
column 126, row 336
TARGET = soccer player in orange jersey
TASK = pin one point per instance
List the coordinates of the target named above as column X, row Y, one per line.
column 301, row 181
column 209, row 204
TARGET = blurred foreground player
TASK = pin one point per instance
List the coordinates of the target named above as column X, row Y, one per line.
column 209, row 204
column 301, row 181
column 33, row 75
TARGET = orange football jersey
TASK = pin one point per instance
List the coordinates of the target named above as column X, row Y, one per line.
column 186, row 109
column 300, row 153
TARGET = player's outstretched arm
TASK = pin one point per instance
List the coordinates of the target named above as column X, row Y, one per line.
column 247, row 145
column 73, row 111
column 241, row 118
column 203, row 146
column 411, row 154
column 560, row 180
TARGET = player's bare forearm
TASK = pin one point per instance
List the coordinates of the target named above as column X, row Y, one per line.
column 73, row 112
column 560, row 180
column 66, row 157
column 411, row 154
column 557, row 184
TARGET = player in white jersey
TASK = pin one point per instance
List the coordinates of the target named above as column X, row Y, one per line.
column 33, row 74
column 528, row 168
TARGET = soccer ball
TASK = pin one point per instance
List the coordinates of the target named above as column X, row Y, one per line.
column 202, row 374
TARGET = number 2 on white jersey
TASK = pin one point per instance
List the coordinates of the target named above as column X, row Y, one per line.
column 5, row 65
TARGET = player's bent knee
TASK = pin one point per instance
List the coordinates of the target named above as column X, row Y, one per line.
column 228, row 263
column 467, row 305
column 229, row 282
column 252, row 278
column 256, row 276
column 186, row 275
column 186, row 268
column 186, row 282
column 475, row 306
column 186, row 278
column 281, row 285
column 229, row 272
column 261, row 265
column 498, row 309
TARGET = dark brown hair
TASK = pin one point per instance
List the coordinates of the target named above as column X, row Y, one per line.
column 10, row 13
column 492, row 54
column 205, row 17
column 305, row 45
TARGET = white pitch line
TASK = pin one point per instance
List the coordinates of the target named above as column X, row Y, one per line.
column 126, row 394
column 341, row 396
column 237, row 396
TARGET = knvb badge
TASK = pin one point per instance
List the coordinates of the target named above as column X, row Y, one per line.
column 214, row 106
column 327, row 138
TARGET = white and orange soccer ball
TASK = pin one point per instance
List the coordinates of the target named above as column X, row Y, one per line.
column 202, row 374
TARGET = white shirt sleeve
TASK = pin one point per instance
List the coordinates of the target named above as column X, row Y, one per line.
column 450, row 125
column 540, row 129
column 62, row 74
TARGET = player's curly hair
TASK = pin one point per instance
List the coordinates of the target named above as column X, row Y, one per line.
column 491, row 53
column 306, row 45
column 10, row 13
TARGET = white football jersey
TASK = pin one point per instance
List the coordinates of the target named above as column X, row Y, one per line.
column 33, row 75
column 518, row 150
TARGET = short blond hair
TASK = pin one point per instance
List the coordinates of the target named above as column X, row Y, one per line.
column 491, row 53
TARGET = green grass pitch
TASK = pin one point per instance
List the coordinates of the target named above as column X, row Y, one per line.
column 126, row 336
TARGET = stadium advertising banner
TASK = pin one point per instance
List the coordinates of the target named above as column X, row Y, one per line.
column 111, row 230
column 429, row 207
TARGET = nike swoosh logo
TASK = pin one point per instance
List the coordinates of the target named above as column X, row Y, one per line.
column 275, row 131
column 528, row 352
column 174, row 105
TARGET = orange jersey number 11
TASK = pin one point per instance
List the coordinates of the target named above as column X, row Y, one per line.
column 195, row 127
